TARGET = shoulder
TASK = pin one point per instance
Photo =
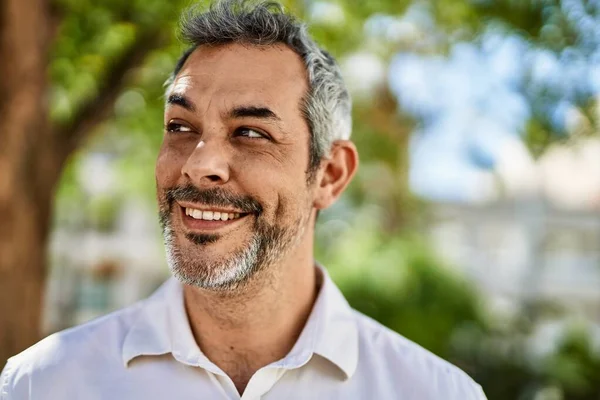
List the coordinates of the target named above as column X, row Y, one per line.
column 98, row 342
column 101, row 336
column 396, row 359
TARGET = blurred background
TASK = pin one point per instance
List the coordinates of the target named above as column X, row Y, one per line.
column 472, row 228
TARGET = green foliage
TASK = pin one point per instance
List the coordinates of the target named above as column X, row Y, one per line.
column 570, row 371
column 90, row 38
column 537, row 136
column 575, row 366
column 397, row 280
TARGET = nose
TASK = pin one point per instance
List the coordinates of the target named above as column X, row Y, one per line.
column 207, row 165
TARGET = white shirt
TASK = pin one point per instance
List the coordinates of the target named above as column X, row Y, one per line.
column 147, row 351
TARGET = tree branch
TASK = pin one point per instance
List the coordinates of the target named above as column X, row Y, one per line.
column 99, row 108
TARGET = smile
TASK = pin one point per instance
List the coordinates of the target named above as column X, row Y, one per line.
column 210, row 215
column 198, row 218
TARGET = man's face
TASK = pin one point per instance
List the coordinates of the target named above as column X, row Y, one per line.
column 231, row 174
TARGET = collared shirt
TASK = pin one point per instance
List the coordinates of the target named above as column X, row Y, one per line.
column 147, row 351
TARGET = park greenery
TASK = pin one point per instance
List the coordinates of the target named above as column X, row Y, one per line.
column 370, row 241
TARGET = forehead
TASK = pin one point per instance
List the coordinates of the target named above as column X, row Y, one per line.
column 271, row 75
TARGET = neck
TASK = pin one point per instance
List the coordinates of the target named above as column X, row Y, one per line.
column 244, row 331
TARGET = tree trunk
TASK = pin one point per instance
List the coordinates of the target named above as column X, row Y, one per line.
column 32, row 154
column 29, row 170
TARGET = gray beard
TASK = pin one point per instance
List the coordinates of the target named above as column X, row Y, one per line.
column 268, row 244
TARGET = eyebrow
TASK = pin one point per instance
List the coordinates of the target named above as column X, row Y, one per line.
column 237, row 112
column 253, row 112
column 182, row 101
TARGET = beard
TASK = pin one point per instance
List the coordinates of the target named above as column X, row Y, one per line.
column 267, row 243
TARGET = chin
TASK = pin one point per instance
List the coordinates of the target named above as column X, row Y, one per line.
column 206, row 270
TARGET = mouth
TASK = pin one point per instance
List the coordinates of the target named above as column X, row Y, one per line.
column 204, row 219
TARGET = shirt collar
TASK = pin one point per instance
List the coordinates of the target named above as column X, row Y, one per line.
column 336, row 332
column 162, row 327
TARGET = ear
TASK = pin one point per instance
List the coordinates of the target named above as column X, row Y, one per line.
column 336, row 172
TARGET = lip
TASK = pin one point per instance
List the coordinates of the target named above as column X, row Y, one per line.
column 201, row 225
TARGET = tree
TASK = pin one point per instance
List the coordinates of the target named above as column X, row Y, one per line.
column 28, row 169
column 35, row 149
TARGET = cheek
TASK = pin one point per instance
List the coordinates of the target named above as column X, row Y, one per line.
column 269, row 184
column 168, row 166
column 289, row 198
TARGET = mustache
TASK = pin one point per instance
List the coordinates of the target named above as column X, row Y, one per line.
column 213, row 197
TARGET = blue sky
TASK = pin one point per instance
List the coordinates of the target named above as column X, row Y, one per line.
column 479, row 96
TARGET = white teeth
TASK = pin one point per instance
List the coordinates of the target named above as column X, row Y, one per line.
column 210, row 215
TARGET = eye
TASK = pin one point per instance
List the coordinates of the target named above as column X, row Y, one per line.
column 174, row 127
column 250, row 133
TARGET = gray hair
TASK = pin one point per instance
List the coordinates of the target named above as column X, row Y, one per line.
column 326, row 107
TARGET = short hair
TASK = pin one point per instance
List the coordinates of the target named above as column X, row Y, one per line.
column 326, row 106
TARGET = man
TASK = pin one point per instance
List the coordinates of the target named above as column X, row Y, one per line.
column 256, row 141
